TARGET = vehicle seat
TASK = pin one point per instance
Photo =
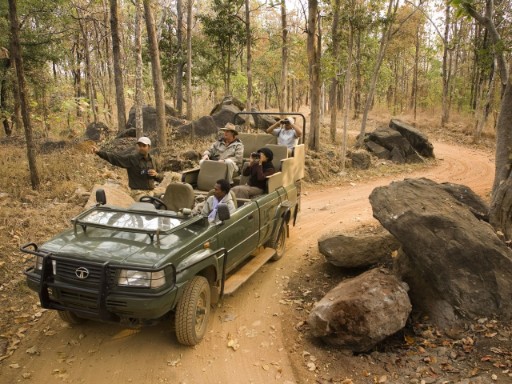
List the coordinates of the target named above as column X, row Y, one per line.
column 178, row 196
column 280, row 153
column 209, row 172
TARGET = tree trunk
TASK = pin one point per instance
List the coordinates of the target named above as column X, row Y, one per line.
column 284, row 58
column 386, row 34
column 333, row 90
column 139, row 92
column 118, row 71
column 414, row 90
column 179, row 57
column 358, row 81
column 314, row 75
column 446, row 75
column 23, row 93
column 189, row 59
column 347, row 96
column 3, row 99
column 158, row 83
column 249, row 54
column 108, row 63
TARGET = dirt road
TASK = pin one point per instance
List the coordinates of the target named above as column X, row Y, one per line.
column 245, row 343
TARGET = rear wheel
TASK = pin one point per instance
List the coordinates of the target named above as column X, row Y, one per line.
column 279, row 244
column 193, row 311
column 70, row 317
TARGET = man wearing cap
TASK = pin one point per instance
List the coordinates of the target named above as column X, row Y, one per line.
column 141, row 167
column 229, row 149
column 287, row 133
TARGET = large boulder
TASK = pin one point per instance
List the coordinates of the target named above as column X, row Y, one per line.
column 465, row 195
column 149, row 119
column 361, row 159
column 228, row 100
column 418, row 140
column 358, row 251
column 362, row 311
column 226, row 114
column 400, row 149
column 456, row 266
column 204, row 126
column 378, row 150
column 262, row 122
column 97, row 131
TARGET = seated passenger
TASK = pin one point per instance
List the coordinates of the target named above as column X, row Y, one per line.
column 287, row 133
column 220, row 195
column 229, row 150
column 260, row 166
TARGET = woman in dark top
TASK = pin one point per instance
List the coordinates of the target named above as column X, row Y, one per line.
column 260, row 166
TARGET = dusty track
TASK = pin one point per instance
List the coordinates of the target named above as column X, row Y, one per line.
column 99, row 353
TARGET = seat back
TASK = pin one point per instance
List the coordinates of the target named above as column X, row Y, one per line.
column 254, row 141
column 178, row 196
column 280, row 153
column 209, row 172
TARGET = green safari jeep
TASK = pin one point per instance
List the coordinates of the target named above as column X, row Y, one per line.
column 141, row 264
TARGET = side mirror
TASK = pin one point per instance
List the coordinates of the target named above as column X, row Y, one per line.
column 101, row 197
column 223, row 212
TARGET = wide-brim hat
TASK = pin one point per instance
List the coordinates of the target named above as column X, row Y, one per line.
column 230, row 128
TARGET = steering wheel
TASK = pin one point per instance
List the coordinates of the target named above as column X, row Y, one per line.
column 159, row 204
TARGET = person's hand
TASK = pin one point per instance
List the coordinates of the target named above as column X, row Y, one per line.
column 221, row 161
column 152, row 172
column 205, row 157
column 94, row 149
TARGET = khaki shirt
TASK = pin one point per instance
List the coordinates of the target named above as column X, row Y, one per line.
column 220, row 151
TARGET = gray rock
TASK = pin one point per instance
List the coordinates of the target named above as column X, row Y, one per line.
column 204, row 126
column 228, row 100
column 457, row 267
column 466, row 196
column 378, row 150
column 362, row 311
column 401, row 150
column 358, row 251
column 97, row 131
column 226, row 114
column 361, row 159
column 418, row 140
column 262, row 121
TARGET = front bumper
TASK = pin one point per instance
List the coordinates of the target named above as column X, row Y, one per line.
column 98, row 297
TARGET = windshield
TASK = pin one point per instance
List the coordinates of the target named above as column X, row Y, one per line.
column 129, row 220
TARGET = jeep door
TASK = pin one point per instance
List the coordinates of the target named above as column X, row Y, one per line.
column 240, row 234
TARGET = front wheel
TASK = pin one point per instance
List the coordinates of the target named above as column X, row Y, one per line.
column 193, row 311
column 70, row 317
column 279, row 244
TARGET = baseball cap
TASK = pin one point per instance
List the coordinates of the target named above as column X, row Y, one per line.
column 144, row 140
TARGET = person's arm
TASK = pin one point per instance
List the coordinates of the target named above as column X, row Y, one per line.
column 123, row 161
column 247, row 170
column 262, row 174
column 298, row 131
column 155, row 173
column 273, row 126
column 209, row 152
column 239, row 154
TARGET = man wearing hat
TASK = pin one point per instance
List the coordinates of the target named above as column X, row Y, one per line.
column 141, row 167
column 287, row 132
column 229, row 149
column 260, row 166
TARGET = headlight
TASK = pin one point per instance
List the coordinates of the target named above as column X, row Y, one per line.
column 39, row 265
column 132, row 278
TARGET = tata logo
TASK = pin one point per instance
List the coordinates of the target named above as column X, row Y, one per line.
column 82, row 273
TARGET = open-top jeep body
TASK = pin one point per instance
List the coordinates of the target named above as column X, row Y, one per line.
column 138, row 264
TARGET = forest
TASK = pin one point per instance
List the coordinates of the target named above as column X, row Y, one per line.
column 66, row 64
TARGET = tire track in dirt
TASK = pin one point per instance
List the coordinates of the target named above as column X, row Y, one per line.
column 251, row 319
